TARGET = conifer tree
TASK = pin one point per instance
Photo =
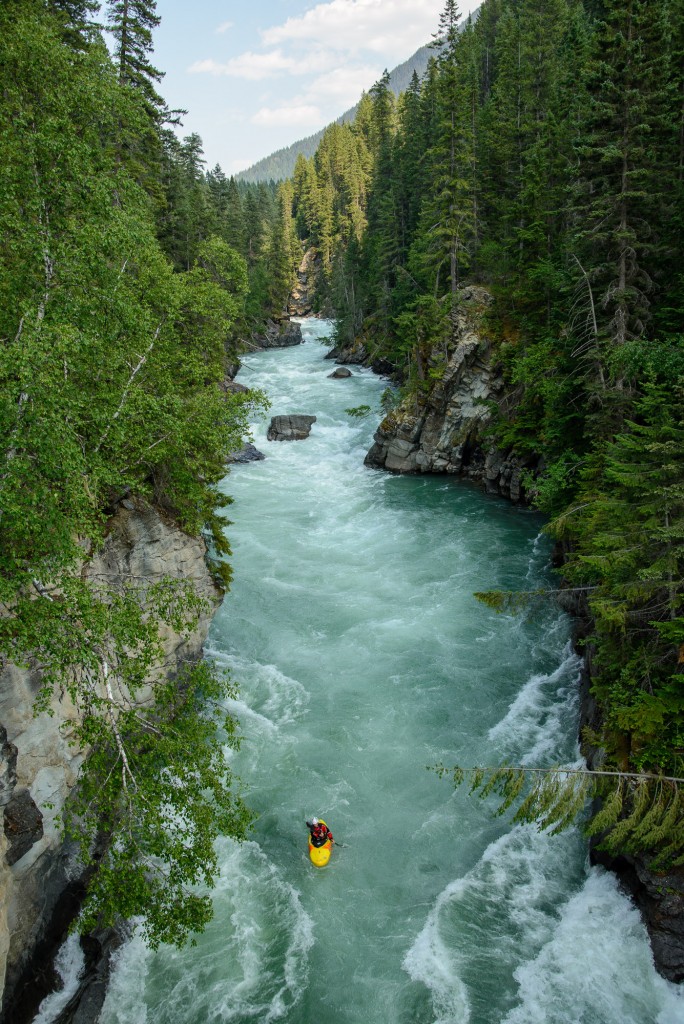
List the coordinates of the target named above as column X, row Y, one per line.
column 283, row 253
column 132, row 23
column 76, row 16
column 380, row 249
column 621, row 185
column 449, row 212
column 233, row 221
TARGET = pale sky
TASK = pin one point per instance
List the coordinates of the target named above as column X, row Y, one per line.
column 256, row 76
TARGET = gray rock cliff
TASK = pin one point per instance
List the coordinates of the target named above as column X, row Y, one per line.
column 41, row 880
column 300, row 303
column 442, row 429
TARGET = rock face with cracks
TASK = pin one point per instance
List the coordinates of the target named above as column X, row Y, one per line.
column 41, row 880
column 279, row 335
column 441, row 429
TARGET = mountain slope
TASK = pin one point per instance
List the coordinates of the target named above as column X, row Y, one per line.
column 280, row 165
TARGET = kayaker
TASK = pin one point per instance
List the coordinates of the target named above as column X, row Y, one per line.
column 320, row 833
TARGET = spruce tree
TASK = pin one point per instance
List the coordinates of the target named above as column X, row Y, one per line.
column 450, row 211
column 132, row 23
column 621, row 186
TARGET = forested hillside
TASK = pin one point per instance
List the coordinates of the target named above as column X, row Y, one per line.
column 542, row 155
column 128, row 279
column 281, row 164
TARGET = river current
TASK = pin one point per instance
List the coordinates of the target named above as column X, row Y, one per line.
column 362, row 658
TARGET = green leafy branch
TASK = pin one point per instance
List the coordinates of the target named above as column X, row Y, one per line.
column 157, row 793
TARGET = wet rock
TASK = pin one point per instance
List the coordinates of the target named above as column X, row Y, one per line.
column 660, row 898
column 443, row 430
column 290, row 428
column 340, row 372
column 234, row 388
column 248, row 453
column 8, row 768
column 354, row 353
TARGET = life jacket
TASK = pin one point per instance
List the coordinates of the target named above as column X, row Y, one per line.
column 319, row 835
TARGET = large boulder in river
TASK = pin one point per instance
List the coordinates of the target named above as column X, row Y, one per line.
column 248, row 453
column 340, row 372
column 290, row 428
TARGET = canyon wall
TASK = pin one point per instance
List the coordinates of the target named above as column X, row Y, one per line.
column 443, row 429
column 41, row 880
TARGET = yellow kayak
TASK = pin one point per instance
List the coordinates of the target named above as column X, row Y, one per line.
column 320, row 855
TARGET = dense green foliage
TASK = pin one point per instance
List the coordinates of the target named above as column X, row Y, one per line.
column 122, row 302
column 541, row 156
column 163, row 795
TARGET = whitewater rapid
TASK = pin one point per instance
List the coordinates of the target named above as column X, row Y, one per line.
column 363, row 659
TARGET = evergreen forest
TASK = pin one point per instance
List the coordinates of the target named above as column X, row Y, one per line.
column 541, row 156
column 129, row 276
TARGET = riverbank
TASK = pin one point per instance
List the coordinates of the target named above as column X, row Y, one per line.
column 363, row 658
column 443, row 429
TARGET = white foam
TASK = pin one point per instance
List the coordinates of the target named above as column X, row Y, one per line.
column 250, row 964
column 268, row 697
column 535, row 726
column 484, row 923
column 69, row 964
column 125, row 999
column 597, row 967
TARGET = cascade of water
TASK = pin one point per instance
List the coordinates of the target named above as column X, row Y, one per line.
column 362, row 658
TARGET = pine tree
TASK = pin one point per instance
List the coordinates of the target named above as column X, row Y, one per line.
column 622, row 185
column 132, row 22
column 283, row 253
column 450, row 211
column 233, row 222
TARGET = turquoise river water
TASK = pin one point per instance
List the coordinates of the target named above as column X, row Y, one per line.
column 363, row 658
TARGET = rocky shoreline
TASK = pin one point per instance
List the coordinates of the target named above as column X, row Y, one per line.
column 41, row 882
column 444, row 430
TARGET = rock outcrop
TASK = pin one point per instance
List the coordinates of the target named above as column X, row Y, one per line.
column 41, row 880
column 290, row 428
column 283, row 334
column 300, row 303
column 441, row 430
column 359, row 354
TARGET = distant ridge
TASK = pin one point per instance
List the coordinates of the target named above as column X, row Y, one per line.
column 281, row 164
